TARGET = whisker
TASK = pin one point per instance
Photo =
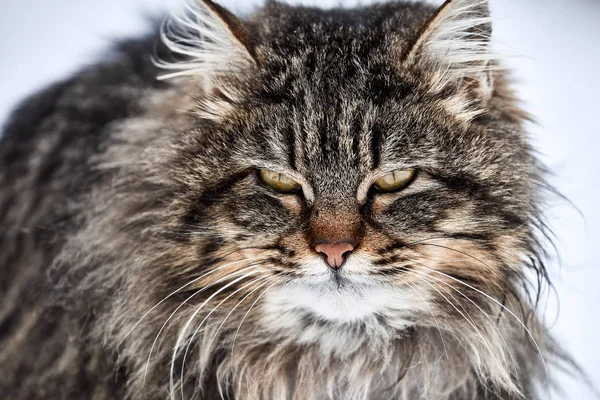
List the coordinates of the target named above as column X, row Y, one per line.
column 269, row 279
column 399, row 245
column 482, row 311
column 246, row 315
column 460, row 252
column 188, row 232
column 191, row 339
column 507, row 310
column 189, row 321
column 432, row 314
column 177, row 291
column 183, row 303
column 484, row 341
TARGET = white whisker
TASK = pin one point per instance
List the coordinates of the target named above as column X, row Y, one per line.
column 462, row 253
column 189, row 321
column 190, row 340
column 469, row 320
column 177, row 291
column 507, row 310
column 245, row 315
column 493, row 324
column 269, row 279
column 432, row 314
column 185, row 302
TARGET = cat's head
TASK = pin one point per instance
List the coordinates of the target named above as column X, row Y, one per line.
column 360, row 159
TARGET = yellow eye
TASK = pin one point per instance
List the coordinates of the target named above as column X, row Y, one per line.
column 395, row 180
column 278, row 182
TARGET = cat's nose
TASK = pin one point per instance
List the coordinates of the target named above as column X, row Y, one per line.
column 335, row 254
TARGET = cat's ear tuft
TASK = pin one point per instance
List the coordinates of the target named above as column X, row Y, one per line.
column 209, row 42
column 457, row 41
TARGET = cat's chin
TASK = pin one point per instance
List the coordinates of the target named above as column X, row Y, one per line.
column 344, row 298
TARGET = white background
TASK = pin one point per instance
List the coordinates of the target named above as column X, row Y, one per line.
column 557, row 76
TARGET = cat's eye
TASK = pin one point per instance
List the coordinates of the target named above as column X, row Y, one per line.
column 278, row 182
column 395, row 180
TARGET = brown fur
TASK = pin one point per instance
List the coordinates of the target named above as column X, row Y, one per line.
column 142, row 258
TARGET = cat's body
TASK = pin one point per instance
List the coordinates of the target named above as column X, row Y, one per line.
column 119, row 191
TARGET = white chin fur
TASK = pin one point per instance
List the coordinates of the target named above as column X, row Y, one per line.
column 351, row 298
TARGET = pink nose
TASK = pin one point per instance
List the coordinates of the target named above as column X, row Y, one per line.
column 336, row 253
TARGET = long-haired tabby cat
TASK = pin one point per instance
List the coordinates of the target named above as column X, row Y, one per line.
column 307, row 204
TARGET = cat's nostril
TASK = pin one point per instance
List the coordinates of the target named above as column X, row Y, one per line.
column 335, row 253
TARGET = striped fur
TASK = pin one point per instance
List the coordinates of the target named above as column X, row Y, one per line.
column 142, row 257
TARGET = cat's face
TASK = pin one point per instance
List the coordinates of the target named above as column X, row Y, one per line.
column 455, row 204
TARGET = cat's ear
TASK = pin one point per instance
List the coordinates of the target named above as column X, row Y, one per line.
column 211, row 41
column 456, row 41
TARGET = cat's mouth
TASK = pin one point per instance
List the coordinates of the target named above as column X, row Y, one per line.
column 338, row 281
column 342, row 295
column 352, row 278
column 341, row 298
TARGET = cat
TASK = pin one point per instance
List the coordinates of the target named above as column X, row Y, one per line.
column 306, row 204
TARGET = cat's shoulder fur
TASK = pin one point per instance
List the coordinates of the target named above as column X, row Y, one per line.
column 46, row 149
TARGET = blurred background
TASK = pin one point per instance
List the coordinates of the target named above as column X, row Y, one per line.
column 554, row 48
